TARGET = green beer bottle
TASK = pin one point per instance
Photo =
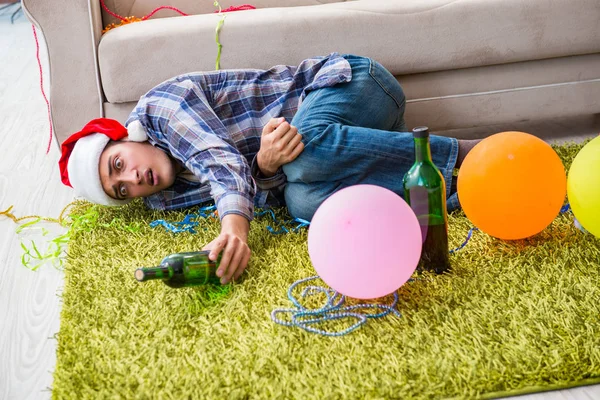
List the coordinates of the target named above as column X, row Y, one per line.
column 183, row 269
column 425, row 192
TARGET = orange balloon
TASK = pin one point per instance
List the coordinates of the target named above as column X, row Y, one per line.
column 512, row 185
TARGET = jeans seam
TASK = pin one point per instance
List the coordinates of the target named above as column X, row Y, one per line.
column 370, row 150
column 381, row 85
column 449, row 170
column 306, row 107
column 453, row 203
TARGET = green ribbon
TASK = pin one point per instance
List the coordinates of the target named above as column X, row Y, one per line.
column 217, row 31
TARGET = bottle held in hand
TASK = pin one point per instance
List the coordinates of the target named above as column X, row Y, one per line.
column 183, row 269
column 425, row 192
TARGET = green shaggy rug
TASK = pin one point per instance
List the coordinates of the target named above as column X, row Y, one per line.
column 512, row 317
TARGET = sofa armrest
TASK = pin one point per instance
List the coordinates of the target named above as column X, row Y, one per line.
column 71, row 37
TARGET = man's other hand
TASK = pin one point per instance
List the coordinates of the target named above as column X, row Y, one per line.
column 280, row 144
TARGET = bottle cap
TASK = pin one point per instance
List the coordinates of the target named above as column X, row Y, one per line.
column 421, row 132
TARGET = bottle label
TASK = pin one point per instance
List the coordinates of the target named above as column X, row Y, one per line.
column 419, row 200
column 423, row 201
column 429, row 207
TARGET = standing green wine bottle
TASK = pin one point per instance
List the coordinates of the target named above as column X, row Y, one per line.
column 425, row 192
column 183, row 269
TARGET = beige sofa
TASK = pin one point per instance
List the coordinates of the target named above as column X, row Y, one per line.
column 462, row 63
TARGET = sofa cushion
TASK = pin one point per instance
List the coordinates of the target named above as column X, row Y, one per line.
column 407, row 37
column 461, row 98
column 141, row 8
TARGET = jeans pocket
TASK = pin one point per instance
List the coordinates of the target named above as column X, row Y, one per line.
column 387, row 82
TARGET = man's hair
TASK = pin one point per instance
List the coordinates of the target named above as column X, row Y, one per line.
column 110, row 143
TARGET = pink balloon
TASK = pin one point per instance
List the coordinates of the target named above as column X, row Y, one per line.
column 364, row 241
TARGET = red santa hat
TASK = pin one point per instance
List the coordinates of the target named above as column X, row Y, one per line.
column 80, row 159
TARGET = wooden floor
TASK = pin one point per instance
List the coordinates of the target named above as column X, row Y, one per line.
column 29, row 180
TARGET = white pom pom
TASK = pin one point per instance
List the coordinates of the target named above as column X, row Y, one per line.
column 136, row 132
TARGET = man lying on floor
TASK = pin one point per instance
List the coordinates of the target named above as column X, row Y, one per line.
column 242, row 138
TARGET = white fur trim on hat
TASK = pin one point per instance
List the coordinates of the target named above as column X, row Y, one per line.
column 84, row 172
column 136, row 132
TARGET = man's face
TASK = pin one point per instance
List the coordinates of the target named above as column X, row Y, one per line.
column 132, row 169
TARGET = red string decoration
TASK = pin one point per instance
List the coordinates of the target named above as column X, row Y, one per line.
column 37, row 56
column 238, row 8
column 110, row 12
column 124, row 21
column 128, row 20
column 161, row 8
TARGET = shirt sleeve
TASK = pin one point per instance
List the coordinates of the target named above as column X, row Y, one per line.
column 270, row 190
column 200, row 140
column 264, row 183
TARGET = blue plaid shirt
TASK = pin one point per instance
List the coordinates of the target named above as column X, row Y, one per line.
column 212, row 122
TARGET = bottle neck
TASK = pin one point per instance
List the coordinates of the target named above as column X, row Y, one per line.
column 422, row 150
column 160, row 272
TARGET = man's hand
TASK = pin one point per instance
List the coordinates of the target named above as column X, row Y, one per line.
column 234, row 239
column 280, row 144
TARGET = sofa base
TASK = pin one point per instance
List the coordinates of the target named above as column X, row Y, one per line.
column 509, row 106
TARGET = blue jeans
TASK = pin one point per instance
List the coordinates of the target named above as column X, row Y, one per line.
column 354, row 133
